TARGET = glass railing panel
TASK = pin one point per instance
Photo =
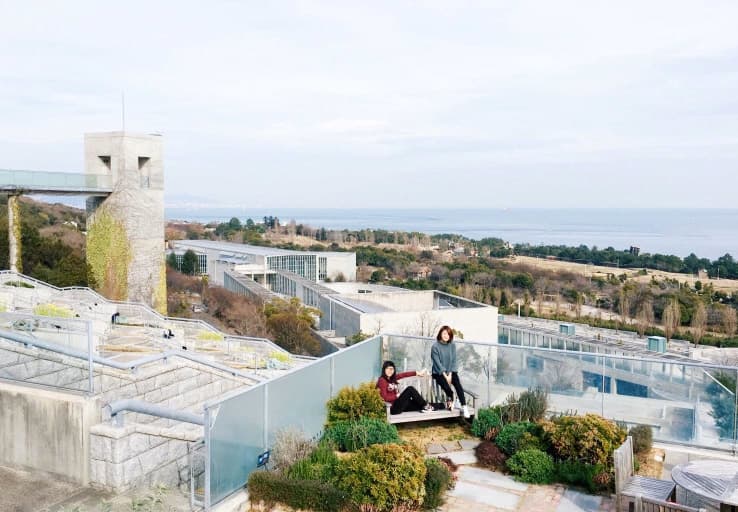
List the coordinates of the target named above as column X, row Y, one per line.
column 237, row 437
column 297, row 400
column 359, row 363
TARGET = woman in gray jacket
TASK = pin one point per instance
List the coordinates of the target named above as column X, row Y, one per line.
column 445, row 369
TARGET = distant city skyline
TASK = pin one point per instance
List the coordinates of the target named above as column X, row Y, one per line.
column 387, row 104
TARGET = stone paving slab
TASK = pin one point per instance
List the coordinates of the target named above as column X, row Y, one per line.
column 485, row 495
column 451, row 446
column 490, row 478
column 460, row 458
column 435, row 448
column 575, row 501
column 469, row 444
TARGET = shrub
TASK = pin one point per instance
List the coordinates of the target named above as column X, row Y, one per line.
column 451, row 465
column 354, row 435
column 273, row 488
column 53, row 310
column 290, row 445
column 383, row 477
column 319, row 465
column 588, row 476
column 590, row 439
column 519, row 436
column 19, row 284
column 489, row 455
column 209, row 336
column 353, row 403
column 487, row 423
column 438, row 479
column 531, row 406
column 532, row 466
column 282, row 357
column 642, row 438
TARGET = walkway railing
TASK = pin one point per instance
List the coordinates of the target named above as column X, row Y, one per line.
column 44, row 181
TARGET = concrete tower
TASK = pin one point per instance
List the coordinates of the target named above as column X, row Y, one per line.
column 125, row 231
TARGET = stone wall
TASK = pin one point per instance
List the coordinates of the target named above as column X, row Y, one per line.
column 141, row 456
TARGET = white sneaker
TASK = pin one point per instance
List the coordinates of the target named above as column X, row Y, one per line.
column 427, row 408
column 457, row 404
column 465, row 410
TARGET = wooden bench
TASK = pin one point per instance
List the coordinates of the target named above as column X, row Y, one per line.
column 433, row 394
column 630, row 488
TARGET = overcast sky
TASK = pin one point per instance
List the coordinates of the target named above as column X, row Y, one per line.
column 387, row 104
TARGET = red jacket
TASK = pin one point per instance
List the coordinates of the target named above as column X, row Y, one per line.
column 388, row 389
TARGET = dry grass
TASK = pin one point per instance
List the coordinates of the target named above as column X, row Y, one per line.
column 430, row 432
column 652, row 463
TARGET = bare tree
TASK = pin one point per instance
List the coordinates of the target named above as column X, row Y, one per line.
column 729, row 322
column 672, row 316
column 699, row 323
column 579, row 302
column 624, row 304
column 645, row 316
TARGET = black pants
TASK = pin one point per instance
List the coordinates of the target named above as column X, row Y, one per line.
column 409, row 400
column 441, row 380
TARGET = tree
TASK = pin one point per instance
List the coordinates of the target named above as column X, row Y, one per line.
column 645, row 316
column 728, row 319
column 234, row 224
column 172, row 260
column 190, row 264
column 699, row 322
column 671, row 318
column 378, row 276
column 291, row 323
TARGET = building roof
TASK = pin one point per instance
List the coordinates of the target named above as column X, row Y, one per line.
column 259, row 250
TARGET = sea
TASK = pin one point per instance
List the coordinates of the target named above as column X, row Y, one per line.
column 709, row 233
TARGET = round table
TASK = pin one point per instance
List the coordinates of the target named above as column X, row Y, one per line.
column 714, row 480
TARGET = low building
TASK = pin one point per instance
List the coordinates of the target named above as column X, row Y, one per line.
column 262, row 263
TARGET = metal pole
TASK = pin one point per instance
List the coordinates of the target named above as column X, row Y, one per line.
column 89, row 358
column 602, row 412
column 208, row 446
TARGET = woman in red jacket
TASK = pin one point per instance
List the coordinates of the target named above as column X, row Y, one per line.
column 409, row 399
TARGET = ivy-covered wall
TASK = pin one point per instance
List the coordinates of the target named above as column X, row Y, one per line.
column 14, row 233
column 160, row 292
column 108, row 254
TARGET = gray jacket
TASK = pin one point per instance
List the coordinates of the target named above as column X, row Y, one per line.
column 443, row 356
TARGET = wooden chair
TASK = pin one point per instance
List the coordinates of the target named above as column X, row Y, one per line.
column 432, row 393
column 629, row 487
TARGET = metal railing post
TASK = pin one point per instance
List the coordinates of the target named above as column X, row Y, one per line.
column 208, row 447
column 89, row 358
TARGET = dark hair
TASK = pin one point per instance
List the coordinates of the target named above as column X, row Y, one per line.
column 386, row 365
column 450, row 333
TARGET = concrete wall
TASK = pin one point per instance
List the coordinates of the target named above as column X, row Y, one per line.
column 343, row 264
column 46, row 430
column 400, row 302
column 476, row 324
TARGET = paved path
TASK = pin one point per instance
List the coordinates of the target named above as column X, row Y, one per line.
column 482, row 490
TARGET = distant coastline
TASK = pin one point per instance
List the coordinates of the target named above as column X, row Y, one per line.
column 709, row 233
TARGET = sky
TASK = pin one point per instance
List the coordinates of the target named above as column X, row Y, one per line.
column 387, row 104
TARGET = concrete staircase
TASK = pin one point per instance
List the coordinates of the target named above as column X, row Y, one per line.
column 146, row 451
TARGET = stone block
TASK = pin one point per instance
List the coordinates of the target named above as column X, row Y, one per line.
column 137, row 444
column 120, row 449
column 164, row 379
column 114, row 476
column 97, row 472
column 177, row 449
column 144, row 386
column 154, row 396
column 132, row 469
column 153, row 458
column 100, row 448
column 435, row 448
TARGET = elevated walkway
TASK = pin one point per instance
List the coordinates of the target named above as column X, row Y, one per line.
column 55, row 183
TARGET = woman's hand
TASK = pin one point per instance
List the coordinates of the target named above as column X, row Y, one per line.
column 448, row 377
column 422, row 372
